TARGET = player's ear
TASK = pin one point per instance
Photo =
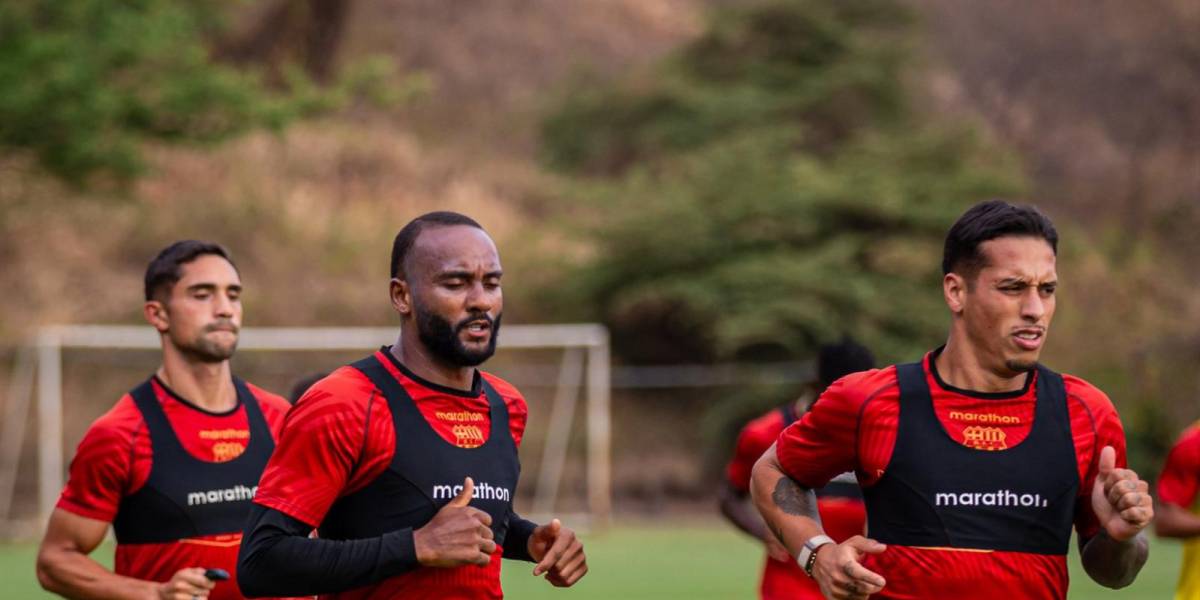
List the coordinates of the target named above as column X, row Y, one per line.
column 156, row 315
column 401, row 296
column 954, row 288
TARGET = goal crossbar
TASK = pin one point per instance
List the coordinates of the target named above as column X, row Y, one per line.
column 589, row 338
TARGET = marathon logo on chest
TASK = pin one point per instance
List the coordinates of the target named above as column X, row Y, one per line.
column 1000, row 498
column 237, row 493
column 483, row 491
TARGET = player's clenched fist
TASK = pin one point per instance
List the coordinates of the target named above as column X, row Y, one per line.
column 839, row 572
column 1120, row 499
column 559, row 554
column 457, row 535
column 186, row 584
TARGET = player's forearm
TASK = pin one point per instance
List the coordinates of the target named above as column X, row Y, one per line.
column 1114, row 564
column 789, row 509
column 72, row 574
column 277, row 558
column 1175, row 522
column 734, row 506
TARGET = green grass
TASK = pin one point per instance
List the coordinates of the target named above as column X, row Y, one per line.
column 693, row 562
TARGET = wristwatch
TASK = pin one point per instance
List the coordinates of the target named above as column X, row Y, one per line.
column 808, row 554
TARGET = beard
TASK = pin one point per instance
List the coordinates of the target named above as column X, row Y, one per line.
column 208, row 350
column 443, row 341
column 1020, row 366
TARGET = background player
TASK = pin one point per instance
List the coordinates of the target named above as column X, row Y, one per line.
column 975, row 461
column 173, row 465
column 406, row 461
column 839, row 503
column 1178, row 513
column 301, row 385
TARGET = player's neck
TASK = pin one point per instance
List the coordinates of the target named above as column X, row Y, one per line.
column 961, row 366
column 205, row 384
column 809, row 395
column 417, row 358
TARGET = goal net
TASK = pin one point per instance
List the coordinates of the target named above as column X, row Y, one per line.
column 81, row 370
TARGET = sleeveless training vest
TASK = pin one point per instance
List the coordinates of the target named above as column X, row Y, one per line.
column 185, row 497
column 426, row 471
column 938, row 493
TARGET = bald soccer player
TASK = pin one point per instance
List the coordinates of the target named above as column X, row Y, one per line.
column 976, row 461
column 405, row 462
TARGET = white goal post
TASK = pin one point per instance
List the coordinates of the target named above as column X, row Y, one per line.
column 585, row 364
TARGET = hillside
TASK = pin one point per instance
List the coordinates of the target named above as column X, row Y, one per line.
column 1101, row 100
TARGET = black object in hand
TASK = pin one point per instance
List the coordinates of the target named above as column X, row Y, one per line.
column 216, row 574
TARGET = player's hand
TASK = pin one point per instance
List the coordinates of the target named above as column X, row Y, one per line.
column 186, row 584
column 776, row 550
column 559, row 554
column 840, row 574
column 1120, row 499
column 457, row 535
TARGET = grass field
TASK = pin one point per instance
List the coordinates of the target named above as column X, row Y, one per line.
column 693, row 562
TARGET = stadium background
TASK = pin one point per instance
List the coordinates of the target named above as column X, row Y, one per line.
column 724, row 184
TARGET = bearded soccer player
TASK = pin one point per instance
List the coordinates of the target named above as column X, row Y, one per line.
column 839, row 503
column 976, row 461
column 405, row 462
column 173, row 465
column 1178, row 509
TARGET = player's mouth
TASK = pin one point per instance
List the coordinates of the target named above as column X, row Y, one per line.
column 231, row 332
column 1029, row 338
column 222, row 325
column 477, row 330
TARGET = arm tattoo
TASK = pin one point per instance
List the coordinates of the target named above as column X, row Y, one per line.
column 793, row 499
column 1111, row 563
column 776, row 531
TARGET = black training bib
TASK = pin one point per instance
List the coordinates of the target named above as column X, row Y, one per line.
column 185, row 497
column 938, row 493
column 426, row 471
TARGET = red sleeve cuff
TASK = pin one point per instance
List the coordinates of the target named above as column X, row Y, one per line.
column 86, row 511
column 290, row 509
column 1168, row 495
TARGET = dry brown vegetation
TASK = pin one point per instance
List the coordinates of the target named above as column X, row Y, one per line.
column 1102, row 99
column 313, row 211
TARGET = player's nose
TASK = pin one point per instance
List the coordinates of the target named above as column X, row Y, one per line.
column 223, row 306
column 1033, row 307
column 480, row 298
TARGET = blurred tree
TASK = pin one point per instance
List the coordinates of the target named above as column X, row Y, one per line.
column 313, row 30
column 768, row 188
column 84, row 83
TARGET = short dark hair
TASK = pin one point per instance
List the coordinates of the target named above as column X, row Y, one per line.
column 304, row 383
column 165, row 270
column 835, row 361
column 988, row 221
column 408, row 235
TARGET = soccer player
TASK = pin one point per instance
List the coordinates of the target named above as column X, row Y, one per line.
column 976, row 460
column 173, row 465
column 839, row 503
column 405, row 462
column 303, row 384
column 1178, row 513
